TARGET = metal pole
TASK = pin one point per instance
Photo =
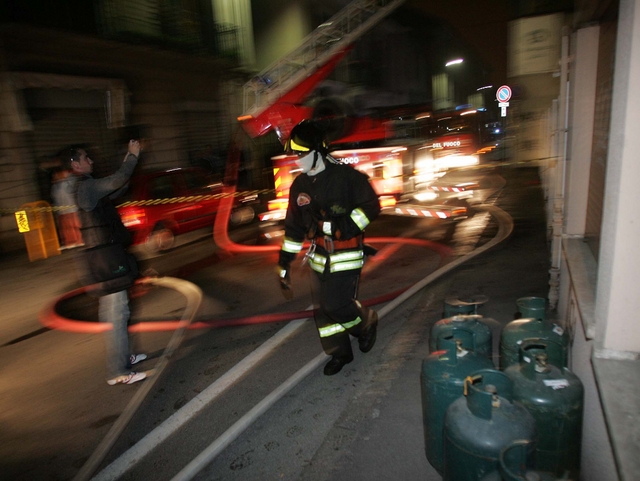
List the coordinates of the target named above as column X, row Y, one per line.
column 558, row 199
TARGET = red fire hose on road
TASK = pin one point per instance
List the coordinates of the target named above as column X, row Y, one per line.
column 52, row 319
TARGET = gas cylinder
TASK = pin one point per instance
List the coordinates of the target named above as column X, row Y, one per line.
column 441, row 379
column 515, row 465
column 478, row 425
column 467, row 305
column 517, row 331
column 554, row 397
column 472, row 322
column 533, row 307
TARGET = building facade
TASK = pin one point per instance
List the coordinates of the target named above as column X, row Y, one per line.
column 577, row 117
column 89, row 77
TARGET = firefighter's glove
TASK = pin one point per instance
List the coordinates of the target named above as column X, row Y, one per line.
column 284, row 277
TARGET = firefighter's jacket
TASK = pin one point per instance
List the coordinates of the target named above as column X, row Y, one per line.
column 334, row 207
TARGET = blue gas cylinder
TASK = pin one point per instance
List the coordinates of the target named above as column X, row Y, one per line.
column 480, row 424
column 442, row 378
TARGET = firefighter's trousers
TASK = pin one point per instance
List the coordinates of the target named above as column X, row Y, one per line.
column 338, row 314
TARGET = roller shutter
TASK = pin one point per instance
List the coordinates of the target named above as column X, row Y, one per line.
column 203, row 128
column 54, row 129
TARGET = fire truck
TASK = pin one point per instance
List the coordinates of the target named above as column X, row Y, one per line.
column 403, row 158
column 408, row 169
column 407, row 163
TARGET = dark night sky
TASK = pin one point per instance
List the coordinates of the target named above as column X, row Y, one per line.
column 481, row 24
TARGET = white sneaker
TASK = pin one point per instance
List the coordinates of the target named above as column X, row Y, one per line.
column 127, row 378
column 136, row 358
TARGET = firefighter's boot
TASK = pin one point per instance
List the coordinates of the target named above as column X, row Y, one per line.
column 367, row 337
column 335, row 365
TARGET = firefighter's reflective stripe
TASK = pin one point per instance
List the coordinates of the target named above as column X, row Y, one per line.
column 338, row 328
column 347, row 266
column 355, row 322
column 291, row 246
column 358, row 216
column 338, row 261
column 317, row 262
column 331, row 330
column 346, row 261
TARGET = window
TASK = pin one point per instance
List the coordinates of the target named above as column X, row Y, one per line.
column 161, row 187
column 197, row 181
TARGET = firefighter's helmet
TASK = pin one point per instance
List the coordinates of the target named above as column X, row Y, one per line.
column 307, row 136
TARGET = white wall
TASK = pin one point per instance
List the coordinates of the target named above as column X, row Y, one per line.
column 583, row 99
column 617, row 331
column 597, row 463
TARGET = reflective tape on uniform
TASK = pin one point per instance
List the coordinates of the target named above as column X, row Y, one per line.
column 355, row 322
column 317, row 262
column 338, row 328
column 338, row 261
column 358, row 216
column 346, row 261
column 331, row 330
column 291, row 246
column 346, row 266
column 347, row 256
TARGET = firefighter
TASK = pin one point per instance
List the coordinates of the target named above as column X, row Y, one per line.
column 330, row 205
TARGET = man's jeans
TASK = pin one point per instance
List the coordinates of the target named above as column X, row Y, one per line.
column 114, row 308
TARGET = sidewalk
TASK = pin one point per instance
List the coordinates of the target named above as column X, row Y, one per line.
column 27, row 287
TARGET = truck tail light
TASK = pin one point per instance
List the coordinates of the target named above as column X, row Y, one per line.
column 279, row 204
column 387, row 201
column 133, row 217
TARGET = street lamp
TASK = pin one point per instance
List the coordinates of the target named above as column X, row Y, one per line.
column 451, row 88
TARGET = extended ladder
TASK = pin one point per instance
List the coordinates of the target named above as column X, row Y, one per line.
column 316, row 49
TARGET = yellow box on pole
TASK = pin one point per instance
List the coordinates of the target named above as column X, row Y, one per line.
column 23, row 221
column 35, row 220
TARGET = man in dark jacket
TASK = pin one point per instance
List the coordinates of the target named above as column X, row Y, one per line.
column 110, row 270
column 330, row 204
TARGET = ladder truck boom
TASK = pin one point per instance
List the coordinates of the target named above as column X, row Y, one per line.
column 273, row 99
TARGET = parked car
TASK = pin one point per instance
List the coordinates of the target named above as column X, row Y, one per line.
column 162, row 205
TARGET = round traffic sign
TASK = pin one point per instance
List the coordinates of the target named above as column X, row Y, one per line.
column 503, row 94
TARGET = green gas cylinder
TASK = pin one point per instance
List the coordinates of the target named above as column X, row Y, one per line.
column 554, row 397
column 482, row 343
column 478, row 425
column 442, row 378
column 534, row 307
column 517, row 331
column 516, row 465
column 454, row 306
